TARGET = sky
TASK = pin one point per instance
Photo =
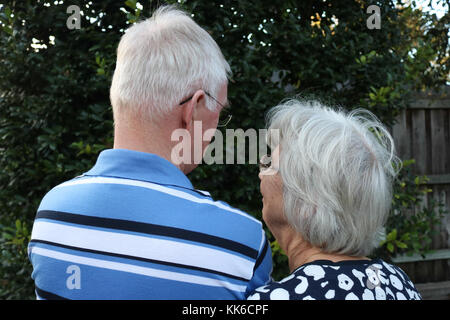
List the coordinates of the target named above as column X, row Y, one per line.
column 436, row 6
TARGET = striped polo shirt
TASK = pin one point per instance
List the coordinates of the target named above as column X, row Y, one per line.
column 134, row 227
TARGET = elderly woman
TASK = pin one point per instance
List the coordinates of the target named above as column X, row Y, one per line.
column 326, row 195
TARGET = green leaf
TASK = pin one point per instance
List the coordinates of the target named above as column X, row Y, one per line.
column 8, row 30
column 390, row 247
column 131, row 4
column 392, row 235
column 401, row 245
column 18, row 225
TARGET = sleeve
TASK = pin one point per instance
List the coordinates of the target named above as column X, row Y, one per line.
column 263, row 267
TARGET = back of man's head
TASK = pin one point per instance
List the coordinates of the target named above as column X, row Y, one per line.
column 162, row 60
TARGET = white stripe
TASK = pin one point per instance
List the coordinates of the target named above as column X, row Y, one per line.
column 117, row 266
column 206, row 193
column 263, row 240
column 157, row 187
column 145, row 247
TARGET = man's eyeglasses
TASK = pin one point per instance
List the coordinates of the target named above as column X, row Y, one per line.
column 224, row 117
column 265, row 162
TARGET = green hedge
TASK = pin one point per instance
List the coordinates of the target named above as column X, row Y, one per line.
column 55, row 115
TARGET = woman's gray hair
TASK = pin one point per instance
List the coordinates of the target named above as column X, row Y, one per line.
column 162, row 60
column 337, row 170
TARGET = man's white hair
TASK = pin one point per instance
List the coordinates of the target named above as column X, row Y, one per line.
column 337, row 170
column 162, row 60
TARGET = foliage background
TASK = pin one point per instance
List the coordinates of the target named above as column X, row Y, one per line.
column 55, row 115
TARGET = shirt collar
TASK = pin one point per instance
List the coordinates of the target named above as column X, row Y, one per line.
column 138, row 165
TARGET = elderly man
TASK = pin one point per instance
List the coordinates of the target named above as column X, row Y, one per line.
column 134, row 227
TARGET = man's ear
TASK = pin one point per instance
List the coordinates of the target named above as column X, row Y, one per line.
column 189, row 109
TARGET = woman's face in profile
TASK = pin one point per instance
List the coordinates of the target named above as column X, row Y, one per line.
column 271, row 188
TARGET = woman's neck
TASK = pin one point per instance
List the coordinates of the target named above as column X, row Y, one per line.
column 300, row 252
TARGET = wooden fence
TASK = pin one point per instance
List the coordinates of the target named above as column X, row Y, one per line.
column 423, row 133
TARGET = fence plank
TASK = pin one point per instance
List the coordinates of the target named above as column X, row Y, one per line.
column 430, row 104
column 444, row 235
column 432, row 99
column 439, row 145
column 442, row 254
column 402, row 136
column 424, row 272
column 438, row 179
column 434, row 291
column 446, row 116
column 419, row 149
column 438, row 166
column 447, row 216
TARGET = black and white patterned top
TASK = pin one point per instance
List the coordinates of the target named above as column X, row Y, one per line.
column 344, row 280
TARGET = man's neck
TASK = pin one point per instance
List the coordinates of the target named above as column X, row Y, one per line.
column 160, row 151
column 133, row 135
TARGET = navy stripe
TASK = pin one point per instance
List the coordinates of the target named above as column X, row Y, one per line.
column 48, row 295
column 172, row 264
column 261, row 257
column 147, row 228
